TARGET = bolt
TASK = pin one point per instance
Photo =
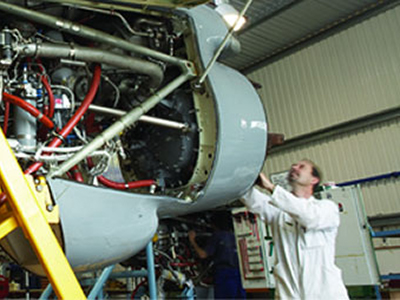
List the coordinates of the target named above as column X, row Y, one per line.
column 49, row 207
column 39, row 188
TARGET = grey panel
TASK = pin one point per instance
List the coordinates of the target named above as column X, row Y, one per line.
column 354, row 252
column 102, row 226
column 242, row 126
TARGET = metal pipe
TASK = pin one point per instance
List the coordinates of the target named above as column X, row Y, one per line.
column 120, row 125
column 98, row 287
column 114, row 275
column 129, row 274
column 385, row 234
column 222, row 46
column 111, row 13
column 91, row 34
column 145, row 119
column 46, row 293
column 369, row 179
column 154, row 71
column 390, row 277
column 377, row 292
column 151, row 277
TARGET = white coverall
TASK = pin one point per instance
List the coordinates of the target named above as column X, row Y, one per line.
column 304, row 234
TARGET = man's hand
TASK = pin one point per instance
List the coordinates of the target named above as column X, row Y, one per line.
column 192, row 239
column 265, row 183
column 192, row 235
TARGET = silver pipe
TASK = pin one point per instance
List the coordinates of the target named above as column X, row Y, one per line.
column 87, row 54
column 91, row 34
column 120, row 125
column 222, row 46
column 145, row 119
column 111, row 13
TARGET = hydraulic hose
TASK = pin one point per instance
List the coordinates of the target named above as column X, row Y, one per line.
column 121, row 185
column 29, row 108
column 46, row 84
column 127, row 185
column 57, row 141
column 77, row 175
column 51, row 96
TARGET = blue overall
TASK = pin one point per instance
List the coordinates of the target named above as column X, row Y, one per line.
column 222, row 249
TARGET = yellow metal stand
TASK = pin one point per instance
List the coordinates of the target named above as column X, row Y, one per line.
column 27, row 213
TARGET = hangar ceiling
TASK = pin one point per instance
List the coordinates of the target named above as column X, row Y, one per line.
column 276, row 28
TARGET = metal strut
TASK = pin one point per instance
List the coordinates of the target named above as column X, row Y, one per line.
column 27, row 213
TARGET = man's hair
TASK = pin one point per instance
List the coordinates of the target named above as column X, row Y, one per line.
column 316, row 172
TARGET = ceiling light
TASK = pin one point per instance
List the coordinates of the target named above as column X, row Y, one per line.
column 230, row 15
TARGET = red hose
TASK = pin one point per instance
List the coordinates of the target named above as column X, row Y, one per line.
column 29, row 108
column 46, row 84
column 77, row 175
column 125, row 186
column 6, row 116
column 81, row 110
column 75, row 118
column 118, row 185
column 51, row 96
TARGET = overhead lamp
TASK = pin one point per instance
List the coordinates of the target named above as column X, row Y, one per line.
column 230, row 14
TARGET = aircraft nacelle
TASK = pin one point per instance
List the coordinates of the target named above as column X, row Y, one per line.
column 105, row 103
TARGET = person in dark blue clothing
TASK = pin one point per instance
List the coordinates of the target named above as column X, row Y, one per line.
column 221, row 248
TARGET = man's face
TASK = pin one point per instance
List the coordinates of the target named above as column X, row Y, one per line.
column 301, row 174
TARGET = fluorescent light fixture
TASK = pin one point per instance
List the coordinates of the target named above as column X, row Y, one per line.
column 230, row 15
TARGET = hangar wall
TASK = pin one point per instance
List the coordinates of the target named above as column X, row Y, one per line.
column 352, row 74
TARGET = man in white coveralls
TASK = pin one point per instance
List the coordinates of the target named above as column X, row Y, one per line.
column 304, row 231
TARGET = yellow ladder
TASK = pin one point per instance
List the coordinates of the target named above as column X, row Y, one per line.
column 27, row 213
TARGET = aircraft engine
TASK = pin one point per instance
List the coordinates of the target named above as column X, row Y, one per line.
column 103, row 104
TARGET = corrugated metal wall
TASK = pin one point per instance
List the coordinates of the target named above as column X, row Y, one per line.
column 349, row 75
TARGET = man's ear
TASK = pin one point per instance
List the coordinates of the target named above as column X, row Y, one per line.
column 314, row 180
